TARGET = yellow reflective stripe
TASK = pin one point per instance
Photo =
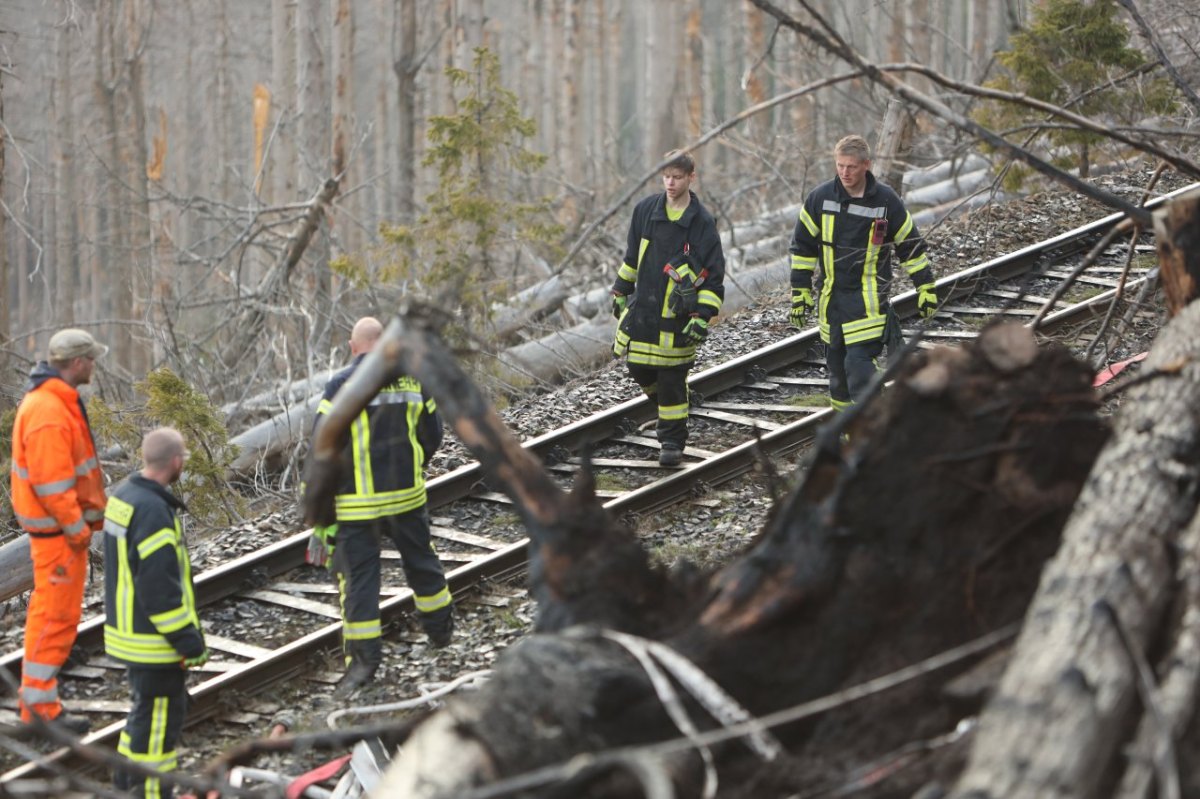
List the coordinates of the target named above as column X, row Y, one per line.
column 914, row 265
column 627, row 273
column 138, row 647
column 360, row 443
column 431, row 405
column 827, row 221
column 803, row 263
column 124, row 598
column 709, row 298
column 673, row 412
column 362, row 630
column 862, row 330
column 840, row 405
column 351, row 501
column 870, row 276
column 119, row 511
column 807, row 220
column 642, row 252
column 171, row 620
column 56, row 487
column 905, row 229
column 427, row 604
column 165, row 537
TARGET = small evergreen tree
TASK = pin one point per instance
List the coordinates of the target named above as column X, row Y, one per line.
column 1070, row 51
column 170, row 401
column 476, row 222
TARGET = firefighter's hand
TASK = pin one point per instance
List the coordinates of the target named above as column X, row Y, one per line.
column 196, row 662
column 321, row 545
column 80, row 541
column 927, row 301
column 618, row 304
column 802, row 303
column 696, row 329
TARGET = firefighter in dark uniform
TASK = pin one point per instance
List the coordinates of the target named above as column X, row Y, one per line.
column 151, row 624
column 389, row 445
column 667, row 291
column 849, row 226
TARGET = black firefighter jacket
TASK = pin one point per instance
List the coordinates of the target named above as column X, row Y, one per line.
column 852, row 239
column 149, row 603
column 389, row 444
column 649, row 329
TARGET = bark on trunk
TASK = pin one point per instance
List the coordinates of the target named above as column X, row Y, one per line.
column 827, row 591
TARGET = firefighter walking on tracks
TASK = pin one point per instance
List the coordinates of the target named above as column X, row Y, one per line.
column 668, row 289
column 151, row 623
column 58, row 498
column 389, row 445
column 849, row 226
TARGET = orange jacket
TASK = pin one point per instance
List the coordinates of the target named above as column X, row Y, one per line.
column 56, row 482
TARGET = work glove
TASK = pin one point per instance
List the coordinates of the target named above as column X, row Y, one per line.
column 619, row 303
column 927, row 301
column 683, row 298
column 80, row 541
column 696, row 329
column 802, row 303
column 320, row 546
column 196, row 662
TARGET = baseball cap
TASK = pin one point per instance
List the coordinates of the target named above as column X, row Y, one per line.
column 74, row 343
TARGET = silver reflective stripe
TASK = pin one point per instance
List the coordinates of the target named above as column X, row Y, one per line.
column 76, row 528
column 93, row 515
column 862, row 210
column 57, row 487
column 396, row 398
column 85, row 467
column 39, row 671
column 37, row 522
column 830, row 206
column 114, row 529
column 39, row 696
column 21, row 471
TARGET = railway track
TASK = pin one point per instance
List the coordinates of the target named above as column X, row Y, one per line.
column 762, row 401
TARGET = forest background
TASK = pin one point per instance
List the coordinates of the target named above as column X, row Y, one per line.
column 221, row 188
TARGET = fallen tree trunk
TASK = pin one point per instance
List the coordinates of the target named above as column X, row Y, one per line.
column 1117, row 605
column 829, row 590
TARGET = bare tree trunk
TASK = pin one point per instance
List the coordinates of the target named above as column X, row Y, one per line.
column 694, row 72
column 282, row 169
column 116, row 298
column 5, row 272
column 406, row 67
column 754, row 90
column 980, row 38
column 66, row 236
column 141, row 253
column 570, row 140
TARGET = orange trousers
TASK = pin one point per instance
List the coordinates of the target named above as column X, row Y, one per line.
column 51, row 622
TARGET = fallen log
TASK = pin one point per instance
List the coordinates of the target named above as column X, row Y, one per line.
column 1115, row 611
column 896, row 546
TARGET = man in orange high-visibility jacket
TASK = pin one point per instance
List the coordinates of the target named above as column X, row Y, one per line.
column 58, row 498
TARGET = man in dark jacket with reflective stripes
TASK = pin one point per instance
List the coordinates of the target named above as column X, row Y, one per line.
column 668, row 289
column 151, row 623
column 850, row 225
column 389, row 445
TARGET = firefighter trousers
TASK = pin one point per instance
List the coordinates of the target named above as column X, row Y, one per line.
column 159, row 697
column 668, row 387
column 356, row 566
column 51, row 622
column 851, row 367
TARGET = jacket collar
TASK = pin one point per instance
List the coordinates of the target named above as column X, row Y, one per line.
column 689, row 213
column 152, row 485
column 869, row 191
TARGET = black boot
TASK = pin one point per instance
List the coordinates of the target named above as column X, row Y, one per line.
column 439, row 626
column 358, row 675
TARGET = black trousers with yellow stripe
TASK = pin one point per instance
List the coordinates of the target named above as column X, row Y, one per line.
column 160, row 698
column 356, row 566
column 668, row 387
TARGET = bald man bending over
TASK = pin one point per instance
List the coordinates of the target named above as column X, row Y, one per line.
column 389, row 445
column 151, row 625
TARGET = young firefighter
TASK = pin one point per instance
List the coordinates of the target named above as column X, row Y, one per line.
column 850, row 225
column 151, row 624
column 668, row 289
